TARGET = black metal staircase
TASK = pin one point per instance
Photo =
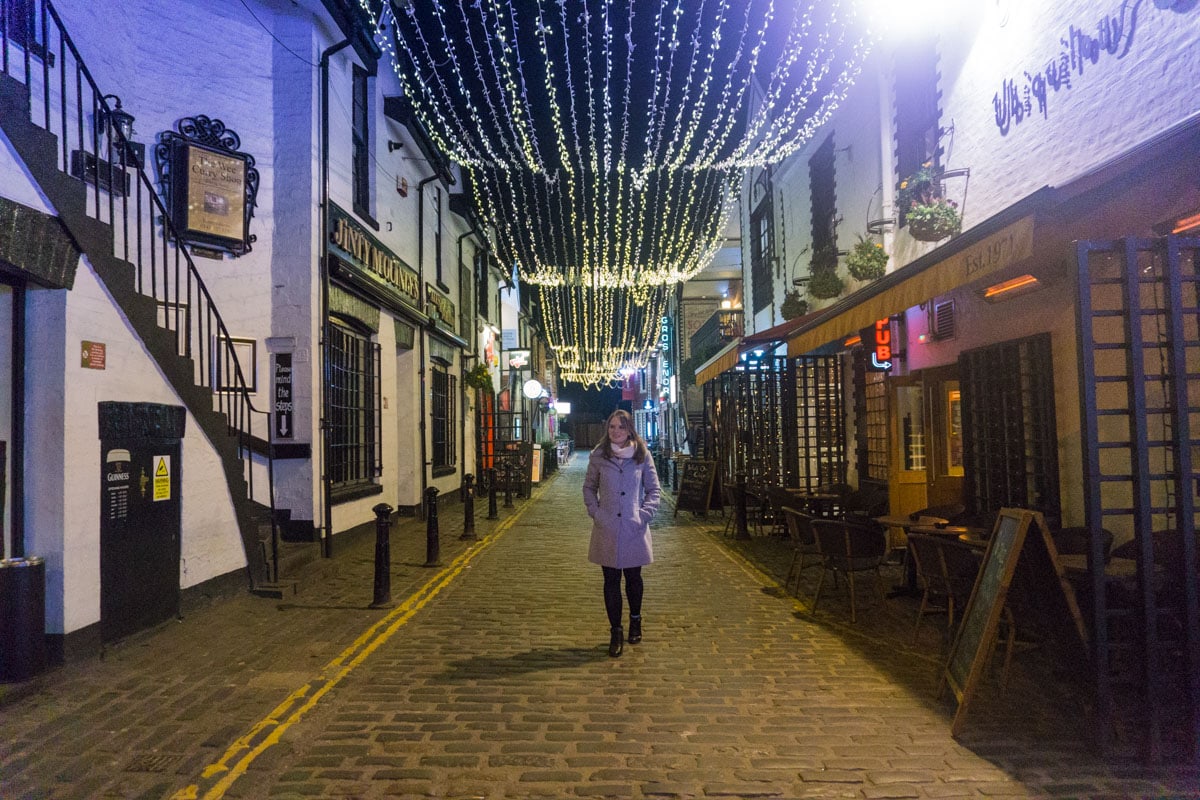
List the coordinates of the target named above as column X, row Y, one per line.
column 52, row 112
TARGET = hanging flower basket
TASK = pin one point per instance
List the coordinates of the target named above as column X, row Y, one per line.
column 934, row 221
column 479, row 377
column 825, row 284
column 928, row 215
column 867, row 260
column 793, row 305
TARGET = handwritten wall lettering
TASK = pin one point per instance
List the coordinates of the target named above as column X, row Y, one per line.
column 1111, row 38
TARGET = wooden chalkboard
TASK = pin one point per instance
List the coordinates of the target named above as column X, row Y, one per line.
column 977, row 631
column 696, row 486
column 1021, row 568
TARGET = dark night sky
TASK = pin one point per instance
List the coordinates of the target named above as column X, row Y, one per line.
column 597, row 402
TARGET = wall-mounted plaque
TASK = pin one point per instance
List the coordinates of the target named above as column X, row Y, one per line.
column 210, row 186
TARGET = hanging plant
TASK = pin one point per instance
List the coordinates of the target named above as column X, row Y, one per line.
column 867, row 260
column 479, row 377
column 929, row 216
column 825, row 284
column 934, row 221
column 793, row 305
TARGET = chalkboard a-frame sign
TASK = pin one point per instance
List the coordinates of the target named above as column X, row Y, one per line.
column 696, row 486
column 977, row 631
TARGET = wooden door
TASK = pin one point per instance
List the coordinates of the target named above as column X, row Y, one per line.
column 944, row 445
column 907, row 491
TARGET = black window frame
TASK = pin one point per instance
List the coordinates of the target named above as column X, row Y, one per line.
column 443, row 419
column 822, row 187
column 360, row 140
column 762, row 245
column 918, row 111
column 355, row 400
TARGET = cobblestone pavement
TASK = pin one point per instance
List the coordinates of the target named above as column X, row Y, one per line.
column 490, row 678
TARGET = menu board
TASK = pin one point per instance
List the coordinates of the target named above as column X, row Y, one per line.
column 982, row 614
column 696, row 486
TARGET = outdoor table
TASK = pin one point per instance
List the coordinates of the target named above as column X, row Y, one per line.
column 818, row 504
column 1076, row 564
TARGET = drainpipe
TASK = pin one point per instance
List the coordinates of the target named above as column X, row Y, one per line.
column 422, row 370
column 462, row 388
column 16, row 454
column 322, row 260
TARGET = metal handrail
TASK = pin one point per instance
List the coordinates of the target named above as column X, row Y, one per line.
column 143, row 233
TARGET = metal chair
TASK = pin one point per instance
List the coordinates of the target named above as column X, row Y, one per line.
column 946, row 569
column 1077, row 541
column 804, row 544
column 847, row 548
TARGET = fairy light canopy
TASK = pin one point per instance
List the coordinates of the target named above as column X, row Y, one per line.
column 635, row 87
column 605, row 140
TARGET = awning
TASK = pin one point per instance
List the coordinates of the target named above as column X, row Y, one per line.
column 728, row 357
column 994, row 245
column 725, row 358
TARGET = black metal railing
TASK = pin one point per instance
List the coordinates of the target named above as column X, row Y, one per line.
column 718, row 330
column 66, row 101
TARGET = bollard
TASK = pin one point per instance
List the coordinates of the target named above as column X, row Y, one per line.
column 739, row 504
column 468, row 508
column 383, row 556
column 432, row 545
column 508, row 485
column 675, row 475
column 492, row 512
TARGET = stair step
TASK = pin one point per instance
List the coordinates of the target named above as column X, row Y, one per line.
column 277, row 591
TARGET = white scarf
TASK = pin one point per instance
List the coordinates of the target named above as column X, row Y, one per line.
column 623, row 452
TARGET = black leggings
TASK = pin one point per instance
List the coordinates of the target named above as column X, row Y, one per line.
column 612, row 592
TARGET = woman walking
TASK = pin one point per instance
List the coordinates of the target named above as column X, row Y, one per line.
column 621, row 493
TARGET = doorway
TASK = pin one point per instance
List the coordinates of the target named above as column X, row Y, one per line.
column 944, row 464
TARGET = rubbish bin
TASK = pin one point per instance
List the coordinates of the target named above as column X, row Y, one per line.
column 22, row 618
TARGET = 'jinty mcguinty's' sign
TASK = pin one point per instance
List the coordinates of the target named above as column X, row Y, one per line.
column 358, row 248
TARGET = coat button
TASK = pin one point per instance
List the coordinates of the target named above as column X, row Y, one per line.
column 618, row 513
column 622, row 494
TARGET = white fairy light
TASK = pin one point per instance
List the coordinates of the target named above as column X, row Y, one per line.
column 605, row 145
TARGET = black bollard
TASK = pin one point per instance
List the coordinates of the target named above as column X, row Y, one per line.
column 432, row 545
column 468, row 508
column 675, row 475
column 508, row 485
column 739, row 500
column 383, row 556
column 492, row 512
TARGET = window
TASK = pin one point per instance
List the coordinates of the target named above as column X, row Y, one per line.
column 910, row 411
column 917, row 112
column 823, row 190
column 762, row 236
column 24, row 24
column 437, row 241
column 870, row 419
column 1009, row 435
column 483, row 283
column 444, row 421
column 360, row 125
column 355, row 452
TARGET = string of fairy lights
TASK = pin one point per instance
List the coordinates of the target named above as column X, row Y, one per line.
column 605, row 141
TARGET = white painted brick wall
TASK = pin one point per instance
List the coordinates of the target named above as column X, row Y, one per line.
column 1115, row 104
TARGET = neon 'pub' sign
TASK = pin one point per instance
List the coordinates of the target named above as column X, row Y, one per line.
column 881, row 345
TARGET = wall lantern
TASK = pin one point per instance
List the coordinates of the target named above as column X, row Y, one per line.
column 109, row 173
column 118, row 124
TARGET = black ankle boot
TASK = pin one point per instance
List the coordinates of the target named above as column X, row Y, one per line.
column 617, row 643
column 635, row 629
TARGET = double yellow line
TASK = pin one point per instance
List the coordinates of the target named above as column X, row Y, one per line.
column 217, row 777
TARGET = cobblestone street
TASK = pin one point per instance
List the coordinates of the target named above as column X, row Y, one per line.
column 489, row 677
